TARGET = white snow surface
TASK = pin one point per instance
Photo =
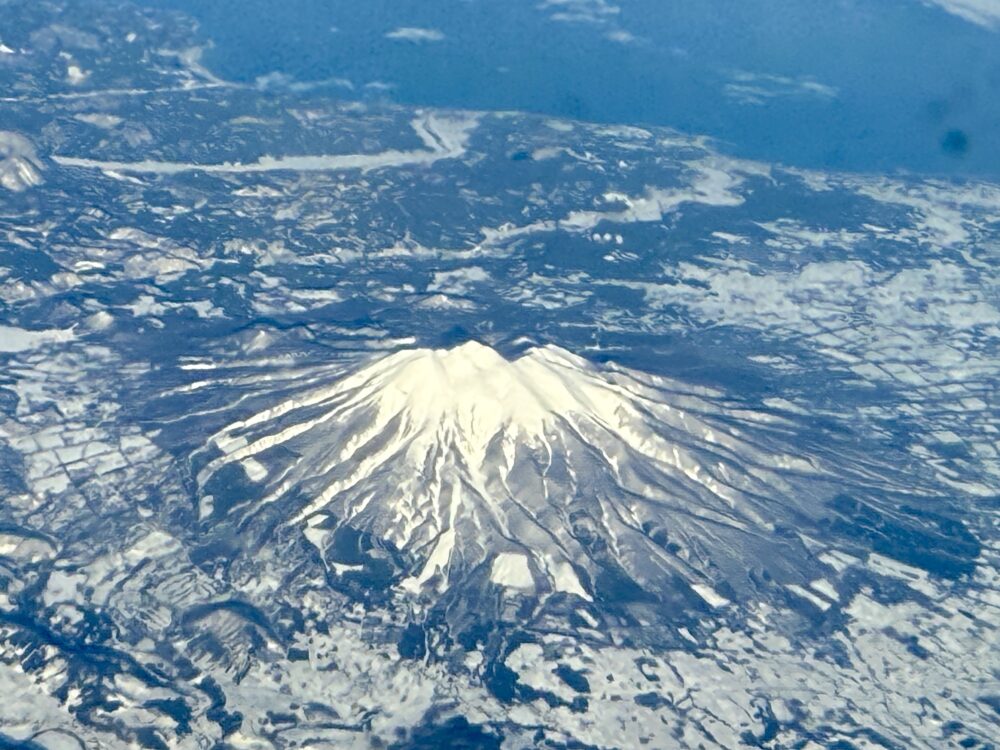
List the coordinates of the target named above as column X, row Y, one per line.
column 445, row 137
column 20, row 167
column 13, row 339
column 511, row 570
column 460, row 455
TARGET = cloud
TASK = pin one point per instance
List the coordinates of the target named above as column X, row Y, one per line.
column 600, row 14
column 982, row 12
column 415, row 34
column 621, row 36
column 276, row 81
column 758, row 88
column 580, row 11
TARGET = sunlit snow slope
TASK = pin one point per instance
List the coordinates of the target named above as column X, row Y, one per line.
column 544, row 473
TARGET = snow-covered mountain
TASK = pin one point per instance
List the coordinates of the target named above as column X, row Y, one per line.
column 544, row 473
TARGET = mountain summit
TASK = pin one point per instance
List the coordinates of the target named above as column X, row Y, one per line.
column 543, row 473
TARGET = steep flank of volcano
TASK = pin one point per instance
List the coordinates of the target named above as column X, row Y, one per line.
column 541, row 473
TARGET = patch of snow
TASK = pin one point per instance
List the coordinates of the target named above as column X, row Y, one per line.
column 99, row 120
column 19, row 340
column 446, row 137
column 75, row 75
column 511, row 570
column 709, row 594
column 20, row 167
column 437, row 562
column 255, row 469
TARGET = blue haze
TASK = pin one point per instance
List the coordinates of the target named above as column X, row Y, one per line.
column 918, row 89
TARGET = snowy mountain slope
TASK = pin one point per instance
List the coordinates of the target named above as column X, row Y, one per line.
column 544, row 473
